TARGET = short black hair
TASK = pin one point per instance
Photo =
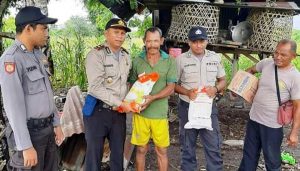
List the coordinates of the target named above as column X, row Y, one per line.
column 152, row 30
column 20, row 28
column 292, row 43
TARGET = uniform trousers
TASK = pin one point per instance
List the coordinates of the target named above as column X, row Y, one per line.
column 211, row 141
column 43, row 141
column 104, row 123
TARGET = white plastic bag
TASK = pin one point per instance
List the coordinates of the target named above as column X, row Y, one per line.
column 142, row 87
column 199, row 115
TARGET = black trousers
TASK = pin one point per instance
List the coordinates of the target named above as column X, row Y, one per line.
column 43, row 141
column 260, row 137
column 104, row 123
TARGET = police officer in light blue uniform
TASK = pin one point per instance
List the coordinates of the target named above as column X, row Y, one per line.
column 199, row 67
column 33, row 124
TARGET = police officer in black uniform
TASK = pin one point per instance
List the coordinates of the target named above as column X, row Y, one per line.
column 33, row 130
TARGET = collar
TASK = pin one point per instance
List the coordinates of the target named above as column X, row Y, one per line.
column 20, row 45
column 121, row 51
column 163, row 54
column 190, row 54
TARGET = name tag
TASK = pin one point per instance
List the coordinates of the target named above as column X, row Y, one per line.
column 109, row 65
column 31, row 68
column 212, row 63
column 188, row 65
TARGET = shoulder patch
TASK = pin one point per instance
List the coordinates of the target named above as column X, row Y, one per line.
column 10, row 67
column 124, row 50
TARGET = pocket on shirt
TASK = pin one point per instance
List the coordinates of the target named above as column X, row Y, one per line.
column 190, row 75
column 35, row 83
column 211, row 73
column 110, row 70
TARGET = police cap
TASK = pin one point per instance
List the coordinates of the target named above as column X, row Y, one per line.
column 31, row 14
column 117, row 23
column 197, row 33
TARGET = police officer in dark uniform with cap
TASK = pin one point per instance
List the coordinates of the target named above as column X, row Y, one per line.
column 107, row 69
column 33, row 130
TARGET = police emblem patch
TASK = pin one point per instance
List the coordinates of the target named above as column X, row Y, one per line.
column 120, row 22
column 198, row 31
column 9, row 67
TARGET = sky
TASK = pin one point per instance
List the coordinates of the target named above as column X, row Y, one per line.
column 296, row 23
column 64, row 9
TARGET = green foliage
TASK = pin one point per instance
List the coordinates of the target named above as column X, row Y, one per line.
column 133, row 4
column 141, row 23
column 80, row 26
column 69, row 48
column 243, row 64
column 98, row 14
column 296, row 37
column 8, row 26
column 70, row 44
column 134, row 45
column 69, row 56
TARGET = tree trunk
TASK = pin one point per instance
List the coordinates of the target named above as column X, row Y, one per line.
column 7, row 35
column 3, row 9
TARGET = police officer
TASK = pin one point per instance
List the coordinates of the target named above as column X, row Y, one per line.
column 199, row 67
column 107, row 69
column 28, row 97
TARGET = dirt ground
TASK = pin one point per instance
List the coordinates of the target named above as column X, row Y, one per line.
column 232, row 123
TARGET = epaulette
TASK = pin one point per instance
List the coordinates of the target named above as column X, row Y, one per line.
column 99, row 47
column 124, row 50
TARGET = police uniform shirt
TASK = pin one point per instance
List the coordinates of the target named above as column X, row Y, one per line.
column 107, row 76
column 26, row 90
column 193, row 73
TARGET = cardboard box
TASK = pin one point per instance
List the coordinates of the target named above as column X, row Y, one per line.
column 244, row 84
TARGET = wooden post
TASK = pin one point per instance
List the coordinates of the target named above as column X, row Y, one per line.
column 155, row 17
column 235, row 63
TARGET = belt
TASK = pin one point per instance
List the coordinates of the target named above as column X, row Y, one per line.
column 104, row 105
column 40, row 123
